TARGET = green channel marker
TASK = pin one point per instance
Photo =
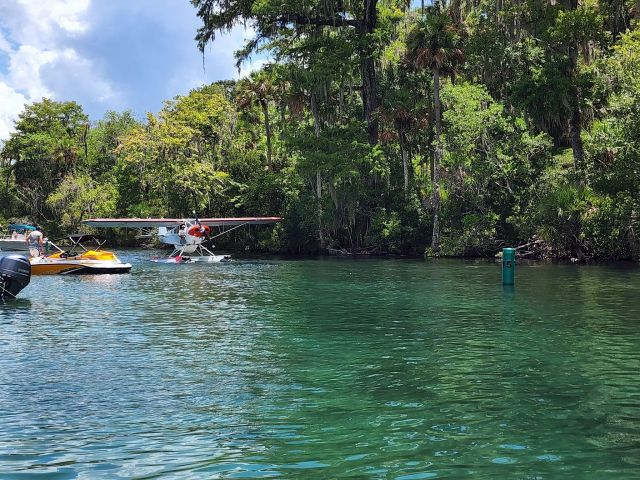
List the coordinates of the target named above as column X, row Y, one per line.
column 508, row 266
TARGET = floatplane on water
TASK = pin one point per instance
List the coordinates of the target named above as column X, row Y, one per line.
column 188, row 236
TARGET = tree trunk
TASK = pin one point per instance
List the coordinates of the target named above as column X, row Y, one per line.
column 369, row 90
column 575, row 123
column 430, row 134
column 576, row 142
column 316, row 126
column 267, row 130
column 341, row 105
column 618, row 23
column 404, row 153
column 319, row 198
column 86, row 144
column 437, row 157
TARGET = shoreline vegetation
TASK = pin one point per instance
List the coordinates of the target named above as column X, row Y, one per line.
column 446, row 130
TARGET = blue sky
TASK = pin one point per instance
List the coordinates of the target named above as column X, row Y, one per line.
column 105, row 54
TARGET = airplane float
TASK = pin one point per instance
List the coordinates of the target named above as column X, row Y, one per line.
column 188, row 236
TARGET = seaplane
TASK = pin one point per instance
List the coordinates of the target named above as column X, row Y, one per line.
column 189, row 237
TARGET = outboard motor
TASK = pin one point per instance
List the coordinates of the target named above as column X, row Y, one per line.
column 15, row 274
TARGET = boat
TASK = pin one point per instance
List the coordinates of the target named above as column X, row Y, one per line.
column 16, row 241
column 15, row 274
column 79, row 260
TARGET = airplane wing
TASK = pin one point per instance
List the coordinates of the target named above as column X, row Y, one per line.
column 221, row 222
column 133, row 222
column 174, row 222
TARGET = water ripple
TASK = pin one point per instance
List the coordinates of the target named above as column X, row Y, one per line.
column 322, row 369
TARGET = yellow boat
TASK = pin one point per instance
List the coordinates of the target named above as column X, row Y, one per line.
column 77, row 263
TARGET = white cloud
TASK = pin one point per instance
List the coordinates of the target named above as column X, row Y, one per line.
column 4, row 44
column 249, row 67
column 35, row 37
column 108, row 54
column 68, row 15
column 39, row 22
column 25, row 65
column 12, row 103
column 71, row 75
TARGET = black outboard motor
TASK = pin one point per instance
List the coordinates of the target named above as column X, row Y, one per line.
column 15, row 274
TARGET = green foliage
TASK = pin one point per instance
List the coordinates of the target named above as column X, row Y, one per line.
column 497, row 164
column 171, row 165
column 613, row 153
column 559, row 213
column 476, row 237
column 611, row 227
column 46, row 146
column 103, row 140
column 369, row 119
column 435, row 42
column 79, row 197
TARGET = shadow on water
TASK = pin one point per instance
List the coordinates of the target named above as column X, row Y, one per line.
column 323, row 369
column 17, row 304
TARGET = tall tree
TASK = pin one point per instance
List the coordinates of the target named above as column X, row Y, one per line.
column 46, row 146
column 435, row 43
column 576, row 30
column 258, row 89
column 277, row 23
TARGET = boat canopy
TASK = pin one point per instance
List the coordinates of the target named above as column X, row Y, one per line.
column 16, row 227
column 83, row 237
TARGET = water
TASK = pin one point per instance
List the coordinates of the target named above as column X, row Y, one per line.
column 319, row 369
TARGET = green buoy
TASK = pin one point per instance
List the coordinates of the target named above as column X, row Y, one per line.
column 508, row 266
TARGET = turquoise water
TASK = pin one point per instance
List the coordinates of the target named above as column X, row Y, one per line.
column 319, row 369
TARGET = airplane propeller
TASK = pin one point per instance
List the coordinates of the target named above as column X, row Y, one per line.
column 204, row 231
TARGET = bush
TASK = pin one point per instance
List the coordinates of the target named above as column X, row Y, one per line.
column 477, row 238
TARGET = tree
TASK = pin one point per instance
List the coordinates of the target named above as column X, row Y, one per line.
column 170, row 165
column 401, row 111
column 258, row 89
column 104, row 138
column 277, row 23
column 47, row 145
column 436, row 44
column 576, row 29
column 612, row 151
column 79, row 196
column 497, row 167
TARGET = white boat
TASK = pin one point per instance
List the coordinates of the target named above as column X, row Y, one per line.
column 13, row 245
column 16, row 240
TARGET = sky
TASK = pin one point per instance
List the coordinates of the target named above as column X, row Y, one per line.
column 106, row 54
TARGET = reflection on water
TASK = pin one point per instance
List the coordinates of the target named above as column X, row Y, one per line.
column 323, row 369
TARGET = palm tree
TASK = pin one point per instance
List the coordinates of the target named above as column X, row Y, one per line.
column 435, row 43
column 258, row 89
column 398, row 109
